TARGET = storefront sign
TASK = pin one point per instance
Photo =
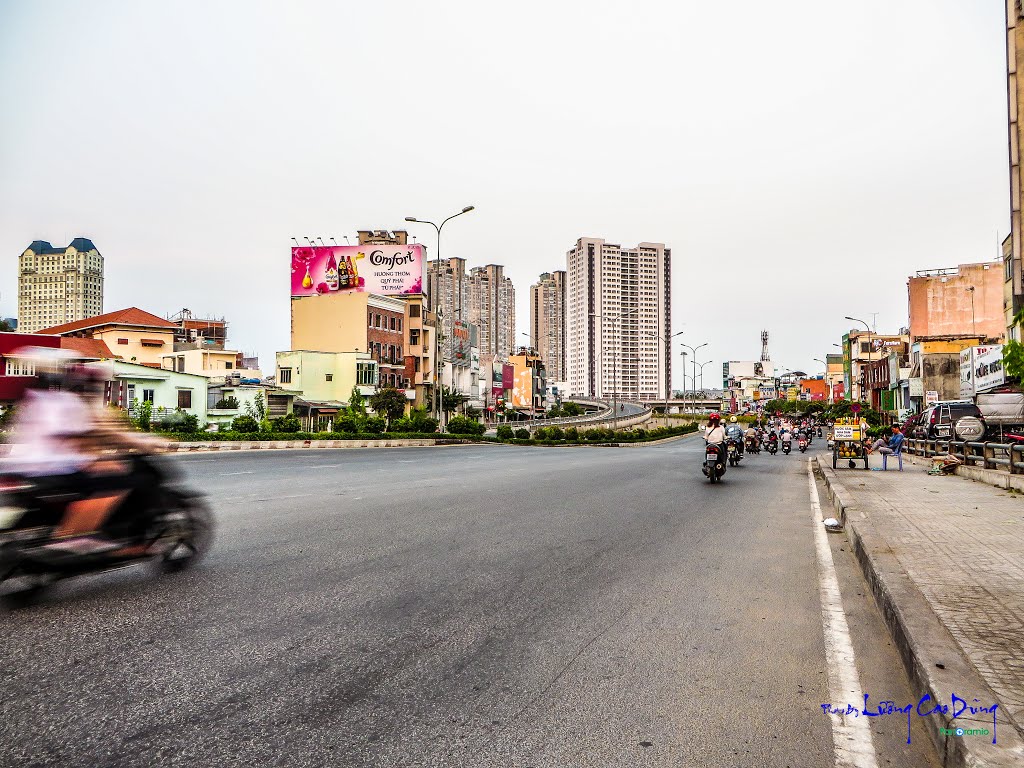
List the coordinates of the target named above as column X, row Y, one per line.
column 930, row 397
column 988, row 369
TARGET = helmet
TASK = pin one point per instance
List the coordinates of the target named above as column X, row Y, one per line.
column 733, row 420
column 715, row 417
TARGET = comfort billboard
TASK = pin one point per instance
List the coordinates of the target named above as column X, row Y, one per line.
column 386, row 270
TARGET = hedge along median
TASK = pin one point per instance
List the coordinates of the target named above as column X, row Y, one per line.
column 598, row 436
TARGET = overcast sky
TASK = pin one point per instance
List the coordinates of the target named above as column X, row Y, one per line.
column 800, row 157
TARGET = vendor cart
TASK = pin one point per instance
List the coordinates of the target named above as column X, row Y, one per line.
column 848, row 444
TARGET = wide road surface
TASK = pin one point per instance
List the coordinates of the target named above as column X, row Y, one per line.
column 465, row 606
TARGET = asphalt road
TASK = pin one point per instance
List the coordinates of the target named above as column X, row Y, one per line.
column 464, row 606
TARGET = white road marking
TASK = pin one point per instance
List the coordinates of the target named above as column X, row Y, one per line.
column 227, row 474
column 850, row 735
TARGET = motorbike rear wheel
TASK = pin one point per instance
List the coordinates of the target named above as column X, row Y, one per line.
column 188, row 534
column 17, row 588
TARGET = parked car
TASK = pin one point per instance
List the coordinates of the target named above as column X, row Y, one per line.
column 957, row 419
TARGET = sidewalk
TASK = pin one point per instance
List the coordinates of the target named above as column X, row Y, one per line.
column 945, row 559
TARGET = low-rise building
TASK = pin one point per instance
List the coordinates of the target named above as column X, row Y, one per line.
column 131, row 334
column 218, row 365
column 529, row 388
column 226, row 402
column 168, row 391
column 323, row 381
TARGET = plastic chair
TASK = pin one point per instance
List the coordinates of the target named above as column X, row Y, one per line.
column 898, row 454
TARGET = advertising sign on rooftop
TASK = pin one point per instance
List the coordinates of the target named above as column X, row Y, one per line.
column 386, row 270
column 988, row 368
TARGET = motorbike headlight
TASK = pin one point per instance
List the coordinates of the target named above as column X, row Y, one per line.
column 9, row 516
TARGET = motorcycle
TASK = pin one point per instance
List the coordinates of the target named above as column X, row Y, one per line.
column 40, row 543
column 819, row 432
column 753, row 445
column 802, row 445
column 733, row 451
column 772, row 446
column 714, row 462
column 787, row 446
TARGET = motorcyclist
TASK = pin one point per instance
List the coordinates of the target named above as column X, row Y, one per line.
column 735, row 432
column 715, row 433
column 68, row 442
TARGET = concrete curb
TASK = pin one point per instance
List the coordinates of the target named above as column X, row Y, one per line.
column 923, row 641
column 298, row 445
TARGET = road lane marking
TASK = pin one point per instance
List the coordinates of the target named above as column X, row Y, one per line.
column 850, row 735
column 247, row 472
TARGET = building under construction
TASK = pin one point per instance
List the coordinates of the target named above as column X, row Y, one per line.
column 198, row 333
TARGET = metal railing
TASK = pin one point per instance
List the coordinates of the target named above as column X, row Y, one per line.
column 1008, row 457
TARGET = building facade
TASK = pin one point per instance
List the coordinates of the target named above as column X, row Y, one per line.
column 448, row 295
column 1015, row 101
column 492, row 309
column 547, row 322
column 59, row 285
column 132, row 334
column 618, row 314
column 962, row 301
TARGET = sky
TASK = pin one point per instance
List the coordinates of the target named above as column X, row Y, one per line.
column 801, row 158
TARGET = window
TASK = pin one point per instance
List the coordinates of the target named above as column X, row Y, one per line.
column 184, row 398
column 285, row 376
column 393, row 323
column 330, row 376
column 228, row 366
column 122, row 341
column 399, row 324
column 147, row 395
column 414, row 310
column 20, row 368
column 414, row 337
column 366, row 374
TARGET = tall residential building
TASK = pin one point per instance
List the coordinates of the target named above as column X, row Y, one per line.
column 618, row 314
column 547, row 322
column 59, row 285
column 448, row 288
column 492, row 309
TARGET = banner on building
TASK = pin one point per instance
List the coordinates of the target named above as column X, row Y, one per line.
column 522, row 388
column 968, row 367
column 386, row 270
column 988, row 369
column 916, row 387
column 460, row 345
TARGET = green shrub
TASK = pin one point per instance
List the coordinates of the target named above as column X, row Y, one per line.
column 595, row 435
column 348, row 422
column 540, row 433
column 572, row 434
column 522, row 434
column 555, row 433
column 375, row 425
column 641, row 433
column 460, row 425
column 179, row 421
column 505, row 432
column 227, row 403
column 289, row 423
column 244, row 424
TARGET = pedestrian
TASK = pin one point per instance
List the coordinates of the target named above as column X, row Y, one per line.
column 890, row 446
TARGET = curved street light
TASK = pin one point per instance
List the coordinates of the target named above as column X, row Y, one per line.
column 864, row 323
column 437, row 313
column 693, row 350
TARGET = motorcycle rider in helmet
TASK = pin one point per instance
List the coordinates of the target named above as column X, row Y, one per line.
column 715, row 433
column 735, row 432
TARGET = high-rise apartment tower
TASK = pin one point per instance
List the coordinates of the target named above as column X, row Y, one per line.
column 547, row 322
column 59, row 285
column 618, row 314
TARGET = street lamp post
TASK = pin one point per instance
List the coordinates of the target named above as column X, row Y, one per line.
column 862, row 387
column 615, row 319
column 693, row 350
column 974, row 327
column 824, row 377
column 668, row 384
column 435, row 300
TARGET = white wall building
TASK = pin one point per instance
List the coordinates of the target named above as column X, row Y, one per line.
column 622, row 350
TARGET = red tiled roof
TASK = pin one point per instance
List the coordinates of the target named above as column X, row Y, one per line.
column 87, row 347
column 129, row 316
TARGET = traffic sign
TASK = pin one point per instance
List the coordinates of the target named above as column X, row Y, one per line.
column 855, row 407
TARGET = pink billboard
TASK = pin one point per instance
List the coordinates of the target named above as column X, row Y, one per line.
column 388, row 270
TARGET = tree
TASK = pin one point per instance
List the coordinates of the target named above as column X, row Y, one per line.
column 229, row 403
column 357, row 403
column 571, row 409
column 257, row 409
column 389, row 403
column 451, row 399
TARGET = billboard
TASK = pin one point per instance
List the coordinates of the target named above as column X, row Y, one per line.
column 460, row 344
column 387, row 270
column 969, row 385
column 522, row 387
column 988, row 368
